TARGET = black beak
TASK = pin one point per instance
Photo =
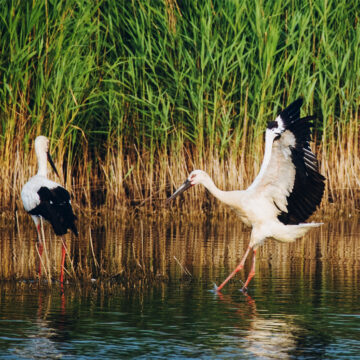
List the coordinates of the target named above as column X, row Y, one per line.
column 52, row 163
column 186, row 185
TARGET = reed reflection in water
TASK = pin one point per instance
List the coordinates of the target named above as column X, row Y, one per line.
column 137, row 251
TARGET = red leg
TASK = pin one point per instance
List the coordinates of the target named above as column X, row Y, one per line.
column 239, row 267
column 62, row 262
column 252, row 271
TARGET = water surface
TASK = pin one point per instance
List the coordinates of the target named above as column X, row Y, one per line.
column 150, row 294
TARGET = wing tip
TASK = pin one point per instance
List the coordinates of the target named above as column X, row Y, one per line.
column 295, row 105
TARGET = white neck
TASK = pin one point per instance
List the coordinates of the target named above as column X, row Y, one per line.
column 227, row 197
column 209, row 184
column 269, row 139
column 42, row 164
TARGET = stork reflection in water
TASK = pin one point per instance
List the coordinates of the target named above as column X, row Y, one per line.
column 45, row 198
column 284, row 194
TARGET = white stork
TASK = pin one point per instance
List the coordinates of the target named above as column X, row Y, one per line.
column 44, row 198
column 284, row 194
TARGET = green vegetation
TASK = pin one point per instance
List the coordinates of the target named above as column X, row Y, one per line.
column 135, row 94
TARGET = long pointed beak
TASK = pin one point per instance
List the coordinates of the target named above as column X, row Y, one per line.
column 52, row 163
column 186, row 185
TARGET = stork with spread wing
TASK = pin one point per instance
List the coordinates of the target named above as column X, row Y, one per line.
column 284, row 194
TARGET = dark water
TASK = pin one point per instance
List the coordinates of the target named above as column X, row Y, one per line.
column 304, row 302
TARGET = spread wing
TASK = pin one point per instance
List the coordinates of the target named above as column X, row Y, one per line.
column 289, row 176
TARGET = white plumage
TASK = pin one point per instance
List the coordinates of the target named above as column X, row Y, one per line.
column 286, row 191
column 29, row 193
column 45, row 198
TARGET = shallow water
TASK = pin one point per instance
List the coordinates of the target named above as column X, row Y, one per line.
column 304, row 301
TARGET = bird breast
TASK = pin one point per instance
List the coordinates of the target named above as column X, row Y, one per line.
column 255, row 210
column 29, row 193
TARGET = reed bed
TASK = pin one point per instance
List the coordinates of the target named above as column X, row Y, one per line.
column 136, row 94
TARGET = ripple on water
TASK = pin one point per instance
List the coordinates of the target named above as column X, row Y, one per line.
column 303, row 302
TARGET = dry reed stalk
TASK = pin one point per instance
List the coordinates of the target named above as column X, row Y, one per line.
column 92, row 248
column 64, row 244
column 42, row 264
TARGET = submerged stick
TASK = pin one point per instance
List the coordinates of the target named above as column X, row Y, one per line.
column 184, row 269
column 41, row 261
column 70, row 260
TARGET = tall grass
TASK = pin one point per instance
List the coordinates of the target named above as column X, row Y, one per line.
column 135, row 94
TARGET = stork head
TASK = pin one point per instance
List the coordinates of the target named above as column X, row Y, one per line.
column 42, row 151
column 41, row 145
column 195, row 177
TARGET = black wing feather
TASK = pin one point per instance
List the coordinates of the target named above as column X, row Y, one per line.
column 309, row 184
column 55, row 207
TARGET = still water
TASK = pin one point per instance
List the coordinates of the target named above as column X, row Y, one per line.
column 143, row 290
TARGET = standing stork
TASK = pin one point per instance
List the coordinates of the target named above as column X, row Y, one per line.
column 284, row 194
column 44, row 198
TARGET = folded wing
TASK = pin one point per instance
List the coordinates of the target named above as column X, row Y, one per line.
column 55, row 207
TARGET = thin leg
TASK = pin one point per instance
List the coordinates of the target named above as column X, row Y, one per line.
column 252, row 272
column 62, row 261
column 38, row 232
column 40, row 247
column 239, row 267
